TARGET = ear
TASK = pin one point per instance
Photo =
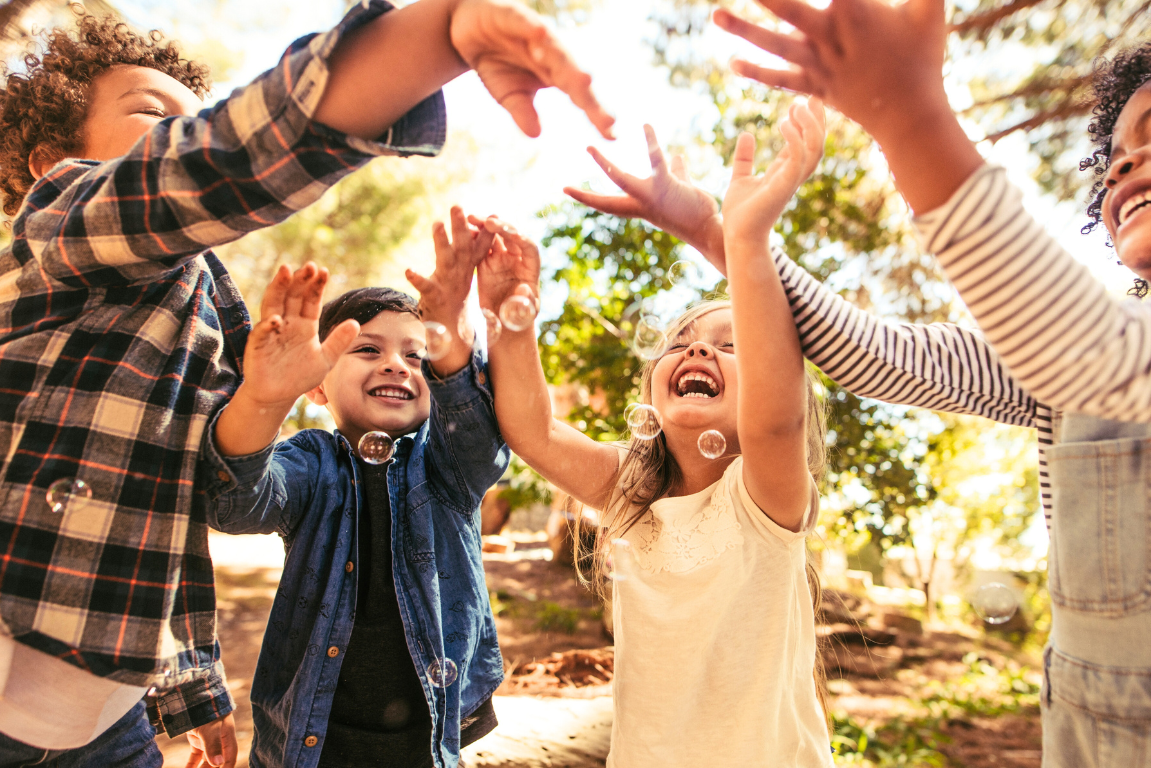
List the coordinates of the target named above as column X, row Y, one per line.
column 41, row 159
column 317, row 395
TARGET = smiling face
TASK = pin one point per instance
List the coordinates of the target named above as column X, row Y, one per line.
column 1126, row 207
column 694, row 384
column 125, row 102
column 377, row 383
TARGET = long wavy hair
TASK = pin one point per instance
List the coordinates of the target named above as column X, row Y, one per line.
column 648, row 472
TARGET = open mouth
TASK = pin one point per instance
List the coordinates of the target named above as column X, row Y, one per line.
column 1134, row 203
column 392, row 393
column 697, row 384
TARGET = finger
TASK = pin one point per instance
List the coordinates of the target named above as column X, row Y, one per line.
column 195, row 759
column 419, row 282
column 795, row 80
column 338, row 341
column 442, row 245
column 314, row 296
column 813, row 136
column 616, row 205
column 678, row 168
column 461, row 235
column 213, row 748
column 294, row 301
column 273, row 301
column 743, row 162
column 654, row 152
column 521, row 106
column 793, row 47
column 808, row 20
column 481, row 246
column 555, row 67
column 624, row 181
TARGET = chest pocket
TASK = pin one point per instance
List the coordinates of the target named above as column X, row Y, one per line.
column 1101, row 526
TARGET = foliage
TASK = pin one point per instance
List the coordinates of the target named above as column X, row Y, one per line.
column 525, row 488
column 610, row 265
column 553, row 617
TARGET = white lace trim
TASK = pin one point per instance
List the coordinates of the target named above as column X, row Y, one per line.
column 679, row 540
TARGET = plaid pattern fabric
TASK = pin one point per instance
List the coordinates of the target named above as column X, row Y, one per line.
column 120, row 335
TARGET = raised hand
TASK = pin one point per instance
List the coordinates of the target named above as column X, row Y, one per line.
column 753, row 203
column 444, row 294
column 515, row 55
column 284, row 357
column 667, row 199
column 879, row 63
column 512, row 267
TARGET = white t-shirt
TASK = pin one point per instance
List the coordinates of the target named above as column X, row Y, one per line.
column 715, row 637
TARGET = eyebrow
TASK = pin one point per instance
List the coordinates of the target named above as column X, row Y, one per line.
column 155, row 92
column 378, row 338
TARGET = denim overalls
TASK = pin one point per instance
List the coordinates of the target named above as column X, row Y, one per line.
column 1097, row 684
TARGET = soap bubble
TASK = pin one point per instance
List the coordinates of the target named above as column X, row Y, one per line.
column 684, row 273
column 712, row 443
column 439, row 340
column 494, row 326
column 517, row 312
column 628, row 411
column 649, row 341
column 645, row 422
column 619, row 560
column 64, row 490
column 376, row 447
column 995, row 603
column 442, row 672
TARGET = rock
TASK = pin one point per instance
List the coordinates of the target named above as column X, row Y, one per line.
column 494, row 512
column 903, row 623
column 498, row 544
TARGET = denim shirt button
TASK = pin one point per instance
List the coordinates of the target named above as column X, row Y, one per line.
column 348, row 566
column 333, row 652
column 481, row 378
column 224, row 476
column 311, row 741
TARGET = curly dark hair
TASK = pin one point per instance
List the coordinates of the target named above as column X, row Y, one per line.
column 1114, row 83
column 46, row 105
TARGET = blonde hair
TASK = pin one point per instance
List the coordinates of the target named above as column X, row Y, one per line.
column 648, row 472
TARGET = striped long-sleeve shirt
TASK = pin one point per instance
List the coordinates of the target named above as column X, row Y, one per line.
column 1053, row 340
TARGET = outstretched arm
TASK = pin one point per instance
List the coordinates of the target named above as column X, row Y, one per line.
column 570, row 460
column 772, row 382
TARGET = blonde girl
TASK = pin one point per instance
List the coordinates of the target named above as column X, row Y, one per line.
column 715, row 632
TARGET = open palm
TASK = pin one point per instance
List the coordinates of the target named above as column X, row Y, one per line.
column 284, row 357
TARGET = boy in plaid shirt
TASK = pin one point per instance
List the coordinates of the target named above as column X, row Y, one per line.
column 121, row 333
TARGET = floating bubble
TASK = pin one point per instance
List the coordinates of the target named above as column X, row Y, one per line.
column 649, row 341
column 442, row 672
column 712, row 444
column 619, row 560
column 995, row 603
column 645, row 422
column 684, row 273
column 517, row 312
column 376, row 447
column 628, row 411
column 494, row 326
column 439, row 340
column 64, row 490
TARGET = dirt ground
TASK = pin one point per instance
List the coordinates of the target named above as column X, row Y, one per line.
column 555, row 707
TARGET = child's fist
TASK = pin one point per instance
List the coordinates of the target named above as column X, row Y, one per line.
column 515, row 55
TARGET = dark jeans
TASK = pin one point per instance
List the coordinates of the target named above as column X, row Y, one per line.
column 129, row 743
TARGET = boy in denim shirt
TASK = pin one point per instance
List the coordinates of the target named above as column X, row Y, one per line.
column 381, row 646
column 121, row 333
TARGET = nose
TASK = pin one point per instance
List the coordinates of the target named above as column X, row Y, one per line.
column 700, row 349
column 1121, row 167
column 395, row 365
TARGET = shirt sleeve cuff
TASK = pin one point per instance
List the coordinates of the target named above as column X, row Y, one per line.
column 422, row 131
column 465, row 386
column 929, row 225
column 223, row 474
column 192, row 704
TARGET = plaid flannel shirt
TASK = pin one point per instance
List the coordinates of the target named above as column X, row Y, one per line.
column 120, row 336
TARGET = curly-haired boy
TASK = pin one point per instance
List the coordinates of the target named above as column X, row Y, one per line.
column 121, row 333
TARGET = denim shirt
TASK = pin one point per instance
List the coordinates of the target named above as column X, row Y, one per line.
column 307, row 489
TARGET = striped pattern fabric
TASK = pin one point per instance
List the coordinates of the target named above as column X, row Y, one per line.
column 120, row 336
column 940, row 366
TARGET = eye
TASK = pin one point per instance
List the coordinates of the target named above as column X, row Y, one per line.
column 367, row 349
column 152, row 112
